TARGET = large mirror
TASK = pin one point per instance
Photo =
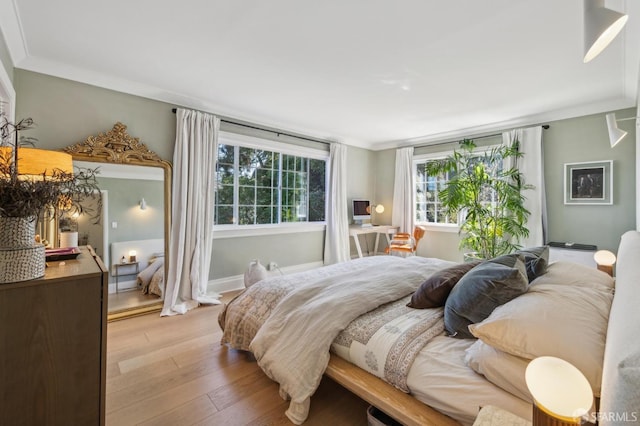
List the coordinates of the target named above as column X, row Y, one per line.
column 132, row 236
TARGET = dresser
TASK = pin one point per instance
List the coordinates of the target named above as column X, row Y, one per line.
column 53, row 336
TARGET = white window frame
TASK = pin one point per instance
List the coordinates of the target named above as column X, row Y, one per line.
column 235, row 230
column 421, row 158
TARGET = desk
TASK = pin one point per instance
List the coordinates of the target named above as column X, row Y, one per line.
column 355, row 230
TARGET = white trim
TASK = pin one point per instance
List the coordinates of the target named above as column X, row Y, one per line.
column 228, row 138
column 235, row 231
column 236, row 282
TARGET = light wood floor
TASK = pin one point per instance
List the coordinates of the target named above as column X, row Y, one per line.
column 129, row 299
column 173, row 371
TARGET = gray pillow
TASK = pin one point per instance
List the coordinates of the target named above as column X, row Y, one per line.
column 536, row 259
column 481, row 290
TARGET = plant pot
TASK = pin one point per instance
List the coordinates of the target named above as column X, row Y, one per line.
column 21, row 259
column 21, row 264
column 17, row 232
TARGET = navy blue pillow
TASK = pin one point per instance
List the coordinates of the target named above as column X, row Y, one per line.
column 481, row 290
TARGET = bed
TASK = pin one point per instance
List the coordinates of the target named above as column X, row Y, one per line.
column 350, row 322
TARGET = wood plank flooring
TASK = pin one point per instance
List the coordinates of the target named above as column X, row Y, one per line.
column 173, row 371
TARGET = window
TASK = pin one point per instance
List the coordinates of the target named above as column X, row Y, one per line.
column 258, row 186
column 428, row 205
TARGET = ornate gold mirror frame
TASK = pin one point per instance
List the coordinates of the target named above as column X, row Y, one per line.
column 118, row 147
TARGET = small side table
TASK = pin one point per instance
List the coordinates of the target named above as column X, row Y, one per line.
column 494, row 416
column 118, row 273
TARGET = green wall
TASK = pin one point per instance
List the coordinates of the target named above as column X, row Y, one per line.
column 585, row 139
column 67, row 112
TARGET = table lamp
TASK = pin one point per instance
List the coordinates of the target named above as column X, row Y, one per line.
column 605, row 261
column 562, row 395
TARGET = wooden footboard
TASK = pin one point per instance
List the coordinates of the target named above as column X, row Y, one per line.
column 397, row 404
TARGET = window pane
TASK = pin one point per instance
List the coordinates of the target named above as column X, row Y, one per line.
column 224, row 195
column 264, row 215
column 246, row 195
column 263, row 197
column 246, row 215
column 224, row 215
column 317, row 180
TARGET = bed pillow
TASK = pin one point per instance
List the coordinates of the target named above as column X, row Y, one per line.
column 565, row 321
column 434, row 291
column 481, row 290
column 574, row 274
column 536, row 260
column 500, row 368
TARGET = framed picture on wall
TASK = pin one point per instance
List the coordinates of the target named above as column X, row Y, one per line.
column 588, row 183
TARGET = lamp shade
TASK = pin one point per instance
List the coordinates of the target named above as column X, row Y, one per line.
column 615, row 134
column 34, row 163
column 379, row 208
column 559, row 389
column 143, row 204
column 601, row 26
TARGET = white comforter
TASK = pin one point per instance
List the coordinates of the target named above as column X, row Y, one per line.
column 292, row 346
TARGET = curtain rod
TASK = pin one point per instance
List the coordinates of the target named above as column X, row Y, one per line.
column 277, row 132
column 544, row 126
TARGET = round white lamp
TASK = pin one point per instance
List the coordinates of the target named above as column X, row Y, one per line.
column 379, row 208
column 605, row 261
column 561, row 393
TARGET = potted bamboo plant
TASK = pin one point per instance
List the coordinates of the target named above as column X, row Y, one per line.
column 487, row 196
column 30, row 181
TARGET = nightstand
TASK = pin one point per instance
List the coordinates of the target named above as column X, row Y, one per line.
column 494, row 416
column 130, row 268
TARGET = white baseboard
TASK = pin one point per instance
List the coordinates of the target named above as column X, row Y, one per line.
column 236, row 282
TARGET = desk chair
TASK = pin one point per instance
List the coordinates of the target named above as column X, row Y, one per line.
column 404, row 243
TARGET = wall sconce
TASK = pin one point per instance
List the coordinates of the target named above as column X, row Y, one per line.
column 601, row 26
column 143, row 204
column 132, row 256
column 605, row 261
column 616, row 134
column 561, row 394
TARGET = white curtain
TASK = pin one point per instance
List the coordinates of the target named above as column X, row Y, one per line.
column 532, row 167
column 336, row 245
column 403, row 191
column 192, row 212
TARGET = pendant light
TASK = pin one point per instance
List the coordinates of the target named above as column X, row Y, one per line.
column 601, row 26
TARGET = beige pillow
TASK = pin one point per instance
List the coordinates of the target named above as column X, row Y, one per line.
column 503, row 370
column 565, row 321
column 568, row 273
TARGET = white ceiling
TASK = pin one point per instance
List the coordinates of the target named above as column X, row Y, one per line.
column 371, row 73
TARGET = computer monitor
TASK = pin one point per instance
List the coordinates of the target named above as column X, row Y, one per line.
column 361, row 210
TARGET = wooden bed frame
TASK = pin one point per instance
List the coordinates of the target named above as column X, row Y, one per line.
column 395, row 403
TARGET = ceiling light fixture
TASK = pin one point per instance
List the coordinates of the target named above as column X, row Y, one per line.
column 601, row 26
